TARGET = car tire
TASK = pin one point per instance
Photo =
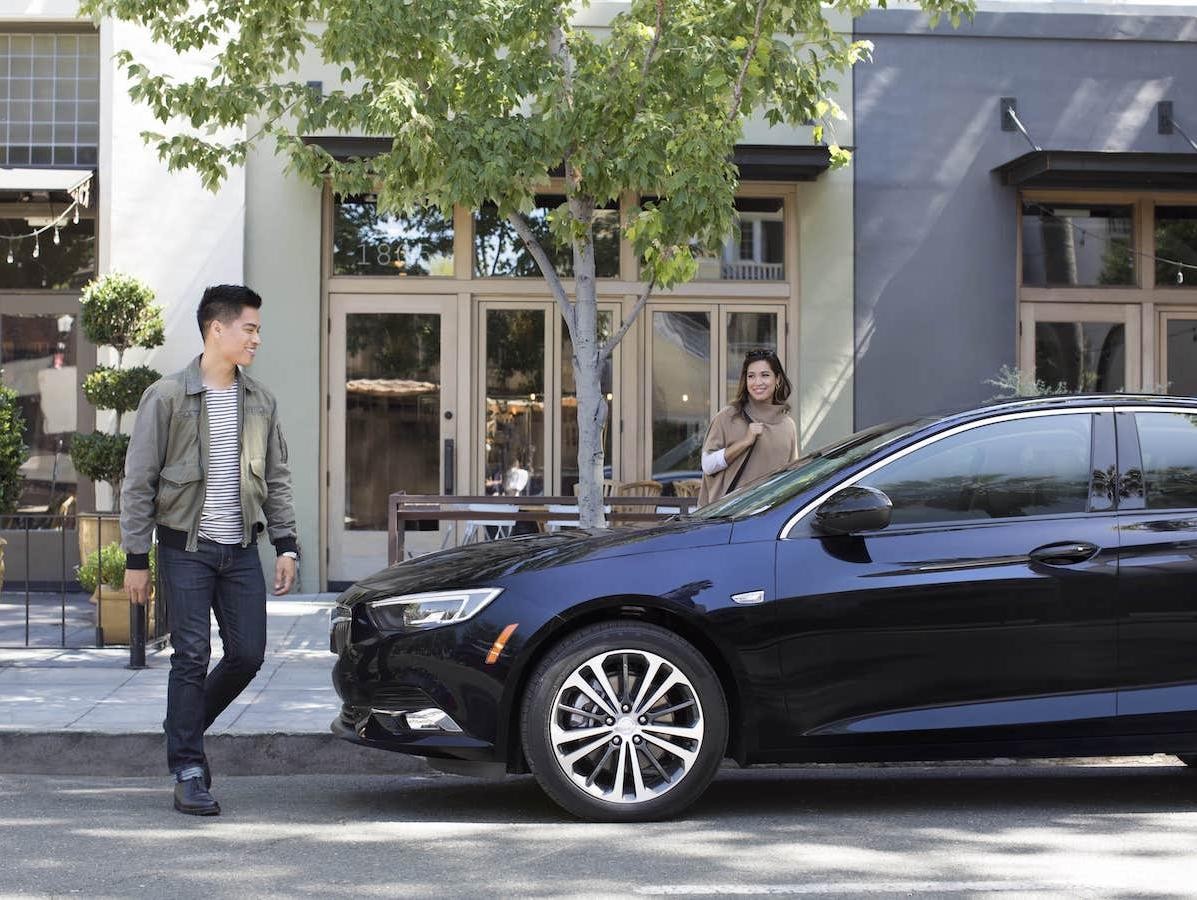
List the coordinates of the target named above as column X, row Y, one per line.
column 656, row 732
column 1189, row 759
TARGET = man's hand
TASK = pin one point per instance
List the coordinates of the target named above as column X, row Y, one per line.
column 137, row 585
column 284, row 575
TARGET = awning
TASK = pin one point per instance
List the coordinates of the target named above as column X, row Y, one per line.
column 1101, row 169
column 74, row 182
column 757, row 162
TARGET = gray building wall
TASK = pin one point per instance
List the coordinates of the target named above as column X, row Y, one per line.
column 936, row 302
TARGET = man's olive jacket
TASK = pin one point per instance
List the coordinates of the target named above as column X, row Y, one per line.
column 166, row 467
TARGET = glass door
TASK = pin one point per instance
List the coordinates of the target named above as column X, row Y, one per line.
column 695, row 355
column 1081, row 348
column 391, row 423
column 1177, row 356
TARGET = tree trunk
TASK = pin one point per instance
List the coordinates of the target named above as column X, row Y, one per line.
column 592, row 405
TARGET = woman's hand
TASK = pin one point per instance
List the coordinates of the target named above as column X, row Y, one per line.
column 755, row 429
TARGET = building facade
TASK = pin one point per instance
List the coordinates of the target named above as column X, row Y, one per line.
column 424, row 353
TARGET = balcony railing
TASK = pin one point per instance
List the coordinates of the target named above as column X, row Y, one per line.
column 753, row 271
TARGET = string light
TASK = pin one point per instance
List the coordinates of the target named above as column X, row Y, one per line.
column 72, row 210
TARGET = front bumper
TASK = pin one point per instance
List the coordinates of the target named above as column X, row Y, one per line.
column 386, row 731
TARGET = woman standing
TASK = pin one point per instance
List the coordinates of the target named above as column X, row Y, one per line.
column 755, row 434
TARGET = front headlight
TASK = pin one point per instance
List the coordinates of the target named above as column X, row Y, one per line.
column 413, row 612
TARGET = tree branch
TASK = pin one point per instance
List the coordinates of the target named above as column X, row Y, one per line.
column 652, row 50
column 611, row 342
column 546, row 266
column 748, row 57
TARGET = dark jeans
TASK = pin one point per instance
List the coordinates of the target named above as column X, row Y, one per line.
column 226, row 579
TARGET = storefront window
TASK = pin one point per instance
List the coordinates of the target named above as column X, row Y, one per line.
column 1081, row 357
column 37, row 353
column 747, row 331
column 66, row 256
column 515, row 386
column 1176, row 246
column 499, row 252
column 681, row 390
column 366, row 242
column 756, row 250
column 392, row 412
column 1077, row 245
column 49, row 99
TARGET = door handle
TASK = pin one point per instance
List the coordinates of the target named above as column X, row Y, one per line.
column 1064, row 553
column 450, row 464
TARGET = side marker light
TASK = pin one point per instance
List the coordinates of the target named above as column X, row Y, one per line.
column 500, row 643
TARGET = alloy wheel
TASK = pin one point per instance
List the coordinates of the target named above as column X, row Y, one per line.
column 626, row 726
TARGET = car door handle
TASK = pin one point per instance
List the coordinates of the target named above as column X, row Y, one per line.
column 1064, row 553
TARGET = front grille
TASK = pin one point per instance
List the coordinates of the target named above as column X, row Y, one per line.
column 401, row 698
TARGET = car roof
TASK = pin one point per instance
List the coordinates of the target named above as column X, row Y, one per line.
column 1064, row 401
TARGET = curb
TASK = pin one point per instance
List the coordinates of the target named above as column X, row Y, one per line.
column 141, row 754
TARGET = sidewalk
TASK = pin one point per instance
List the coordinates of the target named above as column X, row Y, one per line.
column 80, row 711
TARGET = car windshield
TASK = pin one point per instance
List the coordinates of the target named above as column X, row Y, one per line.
column 773, row 490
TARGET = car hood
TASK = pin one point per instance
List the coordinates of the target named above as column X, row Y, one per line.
column 488, row 562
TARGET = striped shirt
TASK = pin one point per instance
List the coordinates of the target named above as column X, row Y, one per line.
column 220, row 520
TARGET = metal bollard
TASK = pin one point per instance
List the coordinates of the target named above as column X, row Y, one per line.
column 137, row 614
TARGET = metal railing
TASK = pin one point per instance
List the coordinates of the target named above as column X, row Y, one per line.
column 539, row 511
column 42, row 604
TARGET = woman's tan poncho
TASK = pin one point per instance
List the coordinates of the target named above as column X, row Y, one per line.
column 777, row 446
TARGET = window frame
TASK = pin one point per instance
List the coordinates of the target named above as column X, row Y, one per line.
column 1144, row 299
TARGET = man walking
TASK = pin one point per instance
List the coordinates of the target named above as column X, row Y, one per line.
column 207, row 466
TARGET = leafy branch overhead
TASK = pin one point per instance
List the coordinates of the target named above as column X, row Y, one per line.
column 484, row 98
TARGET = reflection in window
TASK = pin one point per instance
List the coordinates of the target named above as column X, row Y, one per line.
column 1181, row 353
column 66, row 264
column 499, row 252
column 367, row 243
column 746, row 331
column 38, row 357
column 392, row 412
column 1077, row 245
column 1081, row 357
column 681, row 403
column 756, row 250
column 1176, row 242
column 1168, row 442
column 569, row 406
column 1026, row 467
column 515, row 354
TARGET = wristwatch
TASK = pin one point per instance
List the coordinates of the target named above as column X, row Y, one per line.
column 290, row 553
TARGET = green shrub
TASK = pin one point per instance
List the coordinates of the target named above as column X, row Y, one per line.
column 117, row 311
column 13, row 451
column 118, row 389
column 100, row 456
column 107, row 565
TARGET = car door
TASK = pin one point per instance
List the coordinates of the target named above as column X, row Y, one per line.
column 1157, row 622
column 985, row 608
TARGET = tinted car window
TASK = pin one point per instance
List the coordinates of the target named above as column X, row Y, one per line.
column 1024, row 467
column 1168, row 442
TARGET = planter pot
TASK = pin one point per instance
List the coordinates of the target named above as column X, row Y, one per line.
column 97, row 530
column 112, row 615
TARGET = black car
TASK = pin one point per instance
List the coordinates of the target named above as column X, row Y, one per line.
column 1017, row 580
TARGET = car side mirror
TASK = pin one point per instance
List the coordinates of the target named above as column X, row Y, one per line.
column 852, row 510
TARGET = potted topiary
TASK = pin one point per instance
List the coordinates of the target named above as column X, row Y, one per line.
column 13, row 454
column 116, row 311
column 102, row 575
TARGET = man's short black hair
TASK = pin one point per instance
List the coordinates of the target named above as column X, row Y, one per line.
column 224, row 302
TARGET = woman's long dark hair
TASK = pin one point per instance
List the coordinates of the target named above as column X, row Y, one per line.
column 781, row 392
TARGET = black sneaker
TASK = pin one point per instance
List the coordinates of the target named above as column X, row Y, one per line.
column 192, row 798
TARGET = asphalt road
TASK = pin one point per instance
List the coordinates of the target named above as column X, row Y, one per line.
column 972, row 831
